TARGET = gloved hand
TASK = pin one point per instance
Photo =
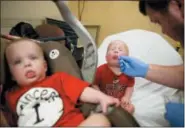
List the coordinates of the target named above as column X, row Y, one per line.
column 175, row 114
column 132, row 66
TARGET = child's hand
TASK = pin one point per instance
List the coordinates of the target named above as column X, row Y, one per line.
column 106, row 101
column 125, row 101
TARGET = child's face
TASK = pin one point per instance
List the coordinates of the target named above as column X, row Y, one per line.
column 26, row 62
column 115, row 49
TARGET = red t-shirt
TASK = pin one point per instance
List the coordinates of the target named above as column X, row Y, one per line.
column 111, row 84
column 50, row 102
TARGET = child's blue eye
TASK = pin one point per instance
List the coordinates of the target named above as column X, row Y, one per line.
column 33, row 57
column 17, row 62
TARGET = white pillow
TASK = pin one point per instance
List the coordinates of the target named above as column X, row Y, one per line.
column 148, row 97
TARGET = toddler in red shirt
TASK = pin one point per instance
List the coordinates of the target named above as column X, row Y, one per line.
column 40, row 100
column 109, row 78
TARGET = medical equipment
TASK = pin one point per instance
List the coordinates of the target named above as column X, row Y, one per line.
column 90, row 51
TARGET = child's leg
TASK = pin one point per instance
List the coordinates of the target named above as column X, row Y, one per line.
column 96, row 120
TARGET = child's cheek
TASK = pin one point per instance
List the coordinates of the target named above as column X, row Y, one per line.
column 109, row 57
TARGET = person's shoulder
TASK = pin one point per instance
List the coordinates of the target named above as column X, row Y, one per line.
column 127, row 77
column 11, row 93
column 103, row 66
column 57, row 74
column 62, row 75
column 54, row 77
column 13, row 89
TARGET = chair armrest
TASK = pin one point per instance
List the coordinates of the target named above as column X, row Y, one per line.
column 117, row 116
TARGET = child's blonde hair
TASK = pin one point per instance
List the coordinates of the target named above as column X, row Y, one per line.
column 125, row 46
column 24, row 39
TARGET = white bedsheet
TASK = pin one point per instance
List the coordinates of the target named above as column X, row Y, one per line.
column 148, row 97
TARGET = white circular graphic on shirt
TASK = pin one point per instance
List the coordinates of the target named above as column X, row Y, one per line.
column 39, row 107
column 54, row 54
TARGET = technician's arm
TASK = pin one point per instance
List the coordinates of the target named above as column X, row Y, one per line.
column 171, row 76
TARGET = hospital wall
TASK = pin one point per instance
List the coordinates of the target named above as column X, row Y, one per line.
column 114, row 17
column 33, row 12
column 29, row 10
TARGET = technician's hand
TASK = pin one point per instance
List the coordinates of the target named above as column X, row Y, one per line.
column 175, row 114
column 133, row 67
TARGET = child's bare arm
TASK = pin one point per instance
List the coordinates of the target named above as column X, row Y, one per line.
column 125, row 100
column 128, row 92
column 95, row 87
column 94, row 96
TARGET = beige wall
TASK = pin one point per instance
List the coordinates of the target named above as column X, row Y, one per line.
column 33, row 12
column 112, row 16
column 115, row 17
column 29, row 9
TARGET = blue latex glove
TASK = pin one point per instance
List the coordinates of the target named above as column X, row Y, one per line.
column 175, row 114
column 132, row 66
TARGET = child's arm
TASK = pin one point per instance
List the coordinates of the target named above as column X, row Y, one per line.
column 96, row 87
column 125, row 100
column 94, row 96
column 128, row 93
